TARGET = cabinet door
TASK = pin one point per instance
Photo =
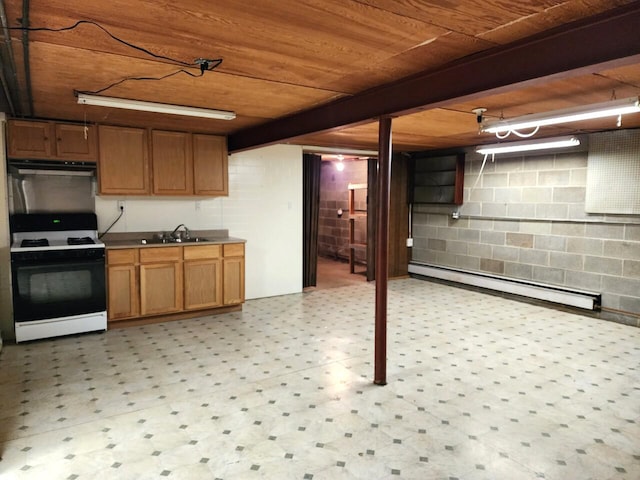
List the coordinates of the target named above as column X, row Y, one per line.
column 210, row 165
column 233, row 273
column 233, row 280
column 123, row 166
column 29, row 139
column 202, row 284
column 122, row 285
column 160, row 288
column 172, row 163
column 76, row 142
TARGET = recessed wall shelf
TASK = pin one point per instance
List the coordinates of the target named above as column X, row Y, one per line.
column 438, row 180
column 355, row 215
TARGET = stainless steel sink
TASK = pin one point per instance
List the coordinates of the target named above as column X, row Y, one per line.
column 164, row 240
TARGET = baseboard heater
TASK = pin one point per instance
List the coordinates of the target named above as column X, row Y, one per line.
column 540, row 291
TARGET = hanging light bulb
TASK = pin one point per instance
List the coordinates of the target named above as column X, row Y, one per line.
column 339, row 166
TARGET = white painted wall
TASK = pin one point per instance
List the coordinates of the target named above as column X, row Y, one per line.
column 264, row 207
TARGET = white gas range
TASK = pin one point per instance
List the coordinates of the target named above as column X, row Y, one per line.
column 58, row 275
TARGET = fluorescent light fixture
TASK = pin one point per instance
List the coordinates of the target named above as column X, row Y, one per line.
column 528, row 145
column 337, row 150
column 141, row 106
column 586, row 112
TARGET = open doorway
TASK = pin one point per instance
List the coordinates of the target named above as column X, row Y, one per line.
column 342, row 223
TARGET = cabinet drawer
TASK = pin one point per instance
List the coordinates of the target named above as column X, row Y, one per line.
column 202, row 252
column 160, row 254
column 233, row 249
column 125, row 256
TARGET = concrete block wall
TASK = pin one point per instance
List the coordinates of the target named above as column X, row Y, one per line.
column 333, row 231
column 525, row 219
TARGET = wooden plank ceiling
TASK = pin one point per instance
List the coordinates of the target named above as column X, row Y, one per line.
column 282, row 57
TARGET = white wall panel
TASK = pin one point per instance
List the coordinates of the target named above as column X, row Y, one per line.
column 265, row 207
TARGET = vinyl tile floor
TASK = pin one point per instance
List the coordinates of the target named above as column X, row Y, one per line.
column 333, row 273
column 479, row 387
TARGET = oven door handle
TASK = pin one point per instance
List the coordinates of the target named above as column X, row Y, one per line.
column 44, row 262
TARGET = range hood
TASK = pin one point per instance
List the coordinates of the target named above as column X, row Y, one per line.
column 40, row 186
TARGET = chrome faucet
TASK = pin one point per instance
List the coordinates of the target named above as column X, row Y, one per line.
column 176, row 235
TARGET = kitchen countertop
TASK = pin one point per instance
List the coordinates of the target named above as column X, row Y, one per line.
column 134, row 239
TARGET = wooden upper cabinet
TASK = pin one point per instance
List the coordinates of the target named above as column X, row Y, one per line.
column 172, row 163
column 210, row 164
column 123, row 167
column 76, row 142
column 51, row 141
column 29, row 139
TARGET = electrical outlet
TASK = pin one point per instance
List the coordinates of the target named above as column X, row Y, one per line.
column 120, row 205
column 409, row 242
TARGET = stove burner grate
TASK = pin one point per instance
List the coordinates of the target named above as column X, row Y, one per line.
column 35, row 242
column 80, row 241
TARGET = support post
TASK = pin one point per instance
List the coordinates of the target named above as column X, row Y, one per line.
column 382, row 249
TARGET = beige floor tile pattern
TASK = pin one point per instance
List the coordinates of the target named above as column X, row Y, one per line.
column 480, row 387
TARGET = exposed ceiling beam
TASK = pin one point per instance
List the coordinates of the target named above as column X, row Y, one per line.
column 8, row 76
column 607, row 40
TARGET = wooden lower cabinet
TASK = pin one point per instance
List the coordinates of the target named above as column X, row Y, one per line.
column 160, row 288
column 153, row 281
column 202, row 277
column 123, row 296
column 123, row 292
column 160, row 280
column 233, row 268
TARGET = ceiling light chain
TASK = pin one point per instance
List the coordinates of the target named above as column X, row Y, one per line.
column 518, row 134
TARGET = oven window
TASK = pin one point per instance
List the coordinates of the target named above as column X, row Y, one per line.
column 51, row 287
column 58, row 290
